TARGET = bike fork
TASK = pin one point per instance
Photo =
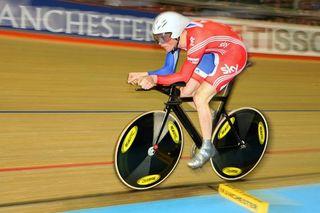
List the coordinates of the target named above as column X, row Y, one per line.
column 164, row 121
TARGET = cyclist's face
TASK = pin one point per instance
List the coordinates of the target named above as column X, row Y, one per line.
column 165, row 41
column 162, row 38
column 170, row 45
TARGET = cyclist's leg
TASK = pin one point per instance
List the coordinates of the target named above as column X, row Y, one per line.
column 189, row 90
column 201, row 99
column 227, row 68
column 204, row 68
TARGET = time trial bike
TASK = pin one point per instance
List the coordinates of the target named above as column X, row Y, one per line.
column 150, row 146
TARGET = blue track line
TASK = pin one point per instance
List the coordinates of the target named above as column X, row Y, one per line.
column 294, row 199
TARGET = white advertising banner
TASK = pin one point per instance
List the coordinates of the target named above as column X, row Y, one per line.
column 259, row 36
column 75, row 22
column 277, row 38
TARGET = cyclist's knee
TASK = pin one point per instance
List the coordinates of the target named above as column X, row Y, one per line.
column 190, row 88
column 186, row 92
column 202, row 97
column 199, row 99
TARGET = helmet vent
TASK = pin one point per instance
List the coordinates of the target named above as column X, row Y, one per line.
column 164, row 22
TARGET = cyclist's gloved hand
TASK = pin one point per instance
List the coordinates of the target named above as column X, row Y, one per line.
column 147, row 82
column 134, row 77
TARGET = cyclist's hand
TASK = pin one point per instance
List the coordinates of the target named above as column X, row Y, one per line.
column 134, row 77
column 147, row 82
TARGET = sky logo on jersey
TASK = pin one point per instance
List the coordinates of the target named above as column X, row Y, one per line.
column 229, row 69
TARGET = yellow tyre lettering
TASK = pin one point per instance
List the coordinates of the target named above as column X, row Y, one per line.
column 225, row 128
column 232, row 171
column 261, row 132
column 174, row 133
column 129, row 139
column 146, row 180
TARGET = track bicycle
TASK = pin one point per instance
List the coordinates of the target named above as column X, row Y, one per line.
column 149, row 148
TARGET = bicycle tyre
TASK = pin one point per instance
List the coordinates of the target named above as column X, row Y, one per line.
column 139, row 163
column 233, row 162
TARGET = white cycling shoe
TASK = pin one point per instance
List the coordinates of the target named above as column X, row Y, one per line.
column 206, row 152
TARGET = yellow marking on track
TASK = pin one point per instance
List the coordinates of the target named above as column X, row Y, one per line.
column 243, row 199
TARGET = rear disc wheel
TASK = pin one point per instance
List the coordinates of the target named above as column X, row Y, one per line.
column 234, row 161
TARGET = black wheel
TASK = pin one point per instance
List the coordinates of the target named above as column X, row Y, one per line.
column 140, row 162
column 234, row 160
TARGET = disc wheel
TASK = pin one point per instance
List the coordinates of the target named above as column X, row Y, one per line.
column 140, row 162
column 233, row 160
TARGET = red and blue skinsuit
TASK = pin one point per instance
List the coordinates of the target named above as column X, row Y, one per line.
column 215, row 54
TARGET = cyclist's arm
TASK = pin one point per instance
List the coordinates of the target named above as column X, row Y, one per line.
column 170, row 64
column 186, row 71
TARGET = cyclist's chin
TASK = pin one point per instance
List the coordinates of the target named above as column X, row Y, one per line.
column 168, row 48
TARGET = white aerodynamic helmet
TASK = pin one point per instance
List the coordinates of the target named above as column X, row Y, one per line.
column 169, row 23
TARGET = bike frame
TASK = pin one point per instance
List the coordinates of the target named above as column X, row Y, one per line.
column 174, row 104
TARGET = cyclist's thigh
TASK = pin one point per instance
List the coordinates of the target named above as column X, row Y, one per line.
column 229, row 65
column 190, row 88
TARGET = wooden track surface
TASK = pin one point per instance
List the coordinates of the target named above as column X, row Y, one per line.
column 63, row 107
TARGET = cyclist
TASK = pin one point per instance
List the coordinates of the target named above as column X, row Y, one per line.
column 215, row 55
